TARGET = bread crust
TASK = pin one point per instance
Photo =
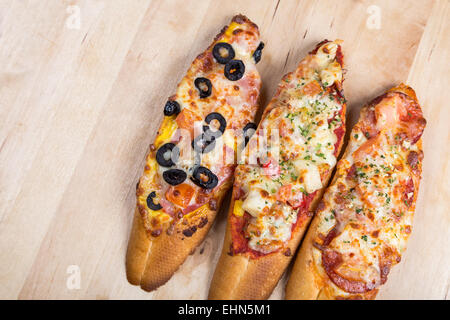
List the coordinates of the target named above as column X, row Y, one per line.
column 138, row 247
column 151, row 261
column 305, row 281
column 302, row 284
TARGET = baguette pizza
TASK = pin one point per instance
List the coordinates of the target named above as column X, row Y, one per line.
column 362, row 224
column 185, row 178
column 274, row 195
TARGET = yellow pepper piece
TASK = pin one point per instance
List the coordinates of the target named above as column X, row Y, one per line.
column 237, row 209
column 159, row 214
column 200, row 210
column 231, row 28
column 168, row 127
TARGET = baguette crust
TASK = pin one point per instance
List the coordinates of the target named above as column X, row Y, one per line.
column 308, row 281
column 302, row 284
column 151, row 263
column 241, row 276
column 176, row 207
column 138, row 248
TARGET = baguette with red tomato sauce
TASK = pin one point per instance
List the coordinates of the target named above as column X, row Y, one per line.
column 363, row 223
column 274, row 197
column 187, row 173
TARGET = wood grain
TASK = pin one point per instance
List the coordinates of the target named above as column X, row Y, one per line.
column 79, row 107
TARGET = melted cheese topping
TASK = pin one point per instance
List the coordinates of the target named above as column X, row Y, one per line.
column 271, row 229
column 236, row 101
column 294, row 148
column 370, row 205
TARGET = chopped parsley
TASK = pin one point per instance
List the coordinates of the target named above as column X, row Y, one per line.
column 320, row 155
column 304, row 131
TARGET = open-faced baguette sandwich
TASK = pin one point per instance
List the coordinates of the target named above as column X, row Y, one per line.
column 364, row 220
column 294, row 152
column 186, row 173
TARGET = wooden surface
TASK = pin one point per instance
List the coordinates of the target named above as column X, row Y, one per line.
column 80, row 106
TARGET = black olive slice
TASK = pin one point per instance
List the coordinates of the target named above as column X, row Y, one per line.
column 199, row 175
column 174, row 176
column 204, row 143
column 234, row 70
column 223, row 52
column 258, row 52
column 151, row 204
column 203, row 86
column 223, row 124
column 249, row 131
column 167, row 155
column 171, row 108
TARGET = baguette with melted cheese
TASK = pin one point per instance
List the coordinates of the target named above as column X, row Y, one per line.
column 273, row 197
column 362, row 225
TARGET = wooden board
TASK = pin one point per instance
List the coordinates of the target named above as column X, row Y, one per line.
column 80, row 101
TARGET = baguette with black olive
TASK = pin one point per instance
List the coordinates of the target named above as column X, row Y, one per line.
column 191, row 163
column 274, row 197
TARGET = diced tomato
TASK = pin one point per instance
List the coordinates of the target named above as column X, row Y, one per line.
column 284, row 193
column 296, row 200
column 271, row 168
column 180, row 195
